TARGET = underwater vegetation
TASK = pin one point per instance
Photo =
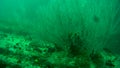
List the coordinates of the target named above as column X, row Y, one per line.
column 59, row 34
column 22, row 52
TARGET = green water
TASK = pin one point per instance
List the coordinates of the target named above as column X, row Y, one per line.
column 70, row 30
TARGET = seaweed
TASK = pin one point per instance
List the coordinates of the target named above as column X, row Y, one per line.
column 76, row 45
